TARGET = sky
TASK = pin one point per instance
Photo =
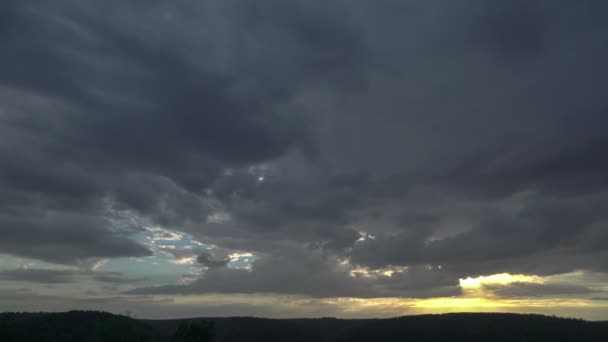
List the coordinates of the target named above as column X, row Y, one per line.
column 304, row 158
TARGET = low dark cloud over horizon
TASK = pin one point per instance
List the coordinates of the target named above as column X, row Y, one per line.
column 360, row 149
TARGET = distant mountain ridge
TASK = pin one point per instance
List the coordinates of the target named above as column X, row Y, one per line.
column 85, row 326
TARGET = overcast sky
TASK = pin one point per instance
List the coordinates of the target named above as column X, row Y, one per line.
column 304, row 158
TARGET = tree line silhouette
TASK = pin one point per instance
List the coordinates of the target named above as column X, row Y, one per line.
column 92, row 326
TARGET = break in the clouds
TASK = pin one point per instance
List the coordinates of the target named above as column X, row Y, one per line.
column 313, row 148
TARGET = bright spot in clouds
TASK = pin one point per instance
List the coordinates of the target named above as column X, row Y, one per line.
column 500, row 279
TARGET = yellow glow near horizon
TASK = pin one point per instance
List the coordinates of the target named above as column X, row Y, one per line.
column 475, row 297
column 302, row 306
column 459, row 303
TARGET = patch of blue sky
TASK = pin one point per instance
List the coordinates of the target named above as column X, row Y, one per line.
column 241, row 260
column 156, row 269
column 174, row 254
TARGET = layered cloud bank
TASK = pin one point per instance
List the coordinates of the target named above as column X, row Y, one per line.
column 333, row 149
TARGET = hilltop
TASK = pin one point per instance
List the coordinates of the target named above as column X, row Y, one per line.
column 100, row 327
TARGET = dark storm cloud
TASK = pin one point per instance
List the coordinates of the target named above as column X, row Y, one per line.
column 522, row 239
column 63, row 237
column 468, row 135
column 513, row 28
column 99, row 111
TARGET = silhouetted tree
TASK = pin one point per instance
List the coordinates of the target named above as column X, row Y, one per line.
column 194, row 331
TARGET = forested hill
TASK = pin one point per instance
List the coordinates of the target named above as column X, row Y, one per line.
column 76, row 326
column 478, row 327
column 84, row 326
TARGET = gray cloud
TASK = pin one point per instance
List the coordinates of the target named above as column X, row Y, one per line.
column 64, row 237
column 39, row 276
column 115, row 278
column 64, row 276
column 469, row 135
column 134, row 120
column 305, row 272
column 524, row 238
column 533, row 290
column 207, row 260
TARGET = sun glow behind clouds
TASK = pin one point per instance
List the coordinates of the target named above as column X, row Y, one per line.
column 475, row 288
column 499, row 279
column 300, row 306
column 476, row 298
